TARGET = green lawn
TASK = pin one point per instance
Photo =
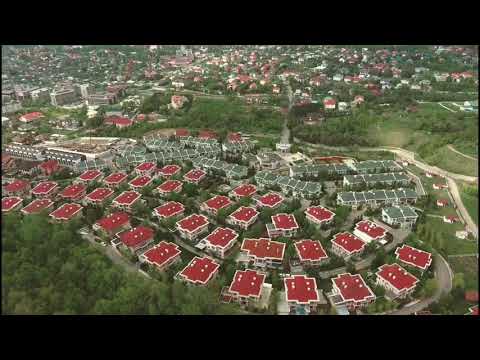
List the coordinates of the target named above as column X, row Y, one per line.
column 470, row 201
column 467, row 265
column 448, row 160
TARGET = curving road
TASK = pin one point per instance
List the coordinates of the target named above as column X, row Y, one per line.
column 462, row 154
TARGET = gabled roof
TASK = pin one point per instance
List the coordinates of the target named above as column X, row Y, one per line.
column 137, row 236
column 353, row 288
column 113, row 221
column 414, row 257
column 66, row 211
column 398, row 277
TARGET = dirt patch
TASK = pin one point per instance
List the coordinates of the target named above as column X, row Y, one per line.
column 161, row 132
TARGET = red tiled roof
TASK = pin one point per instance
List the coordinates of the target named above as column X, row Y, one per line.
column 200, row 270
column 115, row 178
column 348, row 242
column 244, row 214
column 398, row 277
column 473, row 310
column 162, row 253
column 100, row 194
column 66, row 211
column 371, row 229
column 169, row 186
column 247, row 283
column 301, row 289
column 113, row 221
column 171, row 208
column 264, row 248
column 270, row 200
column 122, row 121
column 192, row 222
column 222, row 237
column 72, row 191
column 90, row 175
column 320, row 213
column 8, row 203
column 37, row 205
column 44, row 187
column 414, row 257
column 136, row 237
column 310, row 250
column 16, row 185
column 329, row 102
column 127, row 198
column 146, row 166
column 218, row 202
column 169, row 170
column 245, row 190
column 442, row 202
column 284, row 221
column 194, row 175
column 207, row 134
column 141, row 181
column 31, row 116
column 353, row 287
column 182, row 132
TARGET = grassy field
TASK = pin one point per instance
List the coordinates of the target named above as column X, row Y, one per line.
column 467, row 265
column 451, row 161
column 470, row 201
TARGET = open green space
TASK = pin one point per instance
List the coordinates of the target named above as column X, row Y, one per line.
column 469, row 196
column 468, row 266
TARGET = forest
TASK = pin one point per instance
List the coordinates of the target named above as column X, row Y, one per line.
column 49, row 269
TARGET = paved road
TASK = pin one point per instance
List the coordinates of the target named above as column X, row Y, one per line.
column 462, row 154
column 444, row 277
column 471, row 225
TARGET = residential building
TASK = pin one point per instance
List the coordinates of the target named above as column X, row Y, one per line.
column 63, row 97
column 351, row 291
column 90, row 176
column 243, row 217
column 162, row 255
column 11, row 203
column 450, row 219
column 272, row 200
column 282, row 225
column 414, row 257
column 113, row 223
column 170, row 209
column 402, row 216
column 103, row 98
column 98, row 196
column 169, row 170
column 311, row 253
column 268, row 160
column 36, row 206
column 115, row 179
column 73, row 192
column 397, row 282
column 119, row 122
column 301, row 294
column 243, row 191
column 30, row 117
column 213, row 205
column 263, row 253
column 140, row 182
column 169, row 186
column 397, row 179
column 247, row 289
column 319, row 215
column 45, row 189
column 199, row 271
column 194, row 176
column 369, row 231
column 136, row 238
column 347, row 245
column 126, row 200
column 219, row 242
column 49, row 167
column 375, row 198
column 146, row 168
column 67, row 212
column 192, row 226
column 17, row 187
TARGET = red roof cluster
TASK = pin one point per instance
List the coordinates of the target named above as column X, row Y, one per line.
column 115, row 178
column 270, row 200
column 398, row 277
column 199, row 270
column 309, row 250
column 162, row 253
column 244, row 214
column 99, row 194
column 37, row 205
column 222, row 237
column 8, row 203
column 264, row 248
column 66, row 211
column 245, row 190
column 171, row 208
column 235, row 137
column 414, row 257
column 192, row 222
column 16, row 186
column 169, row 186
column 141, row 181
column 371, row 229
column 218, row 202
column 247, row 283
column 319, row 213
column 73, row 191
column 49, row 166
column 44, row 188
column 353, row 288
column 136, row 237
column 284, row 221
column 194, row 175
column 90, row 175
column 169, row 170
column 127, row 198
column 113, row 221
column 301, row 289
column 146, row 166
column 349, row 242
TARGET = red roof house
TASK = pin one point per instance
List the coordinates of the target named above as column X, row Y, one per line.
column 310, row 252
column 243, row 217
column 301, row 292
column 282, row 225
column 271, row 200
column 396, row 280
column 246, row 287
column 207, row 134
column 170, row 186
column 27, row 118
column 169, row 170
column 115, row 179
column 74, row 192
column 329, row 103
column 146, row 168
column 318, row 215
column 98, row 195
column 113, row 223
column 352, row 291
column 192, row 226
column 45, row 189
column 49, row 167
column 213, row 205
column 161, row 255
column 244, row 190
column 126, row 199
column 220, row 241
column 346, row 245
column 136, row 238
column 119, row 122
column 17, row 187
column 169, row 209
column 90, row 175
column 368, row 231
column 11, row 203
column 36, row 206
column 182, row 133
column 414, row 257
column 199, row 271
column 263, row 252
column 67, row 212
column 140, row 181
column 194, row 176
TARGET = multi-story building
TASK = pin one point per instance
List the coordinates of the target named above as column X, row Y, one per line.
column 199, row 271
column 282, row 225
column 37, row 206
column 347, row 245
column 73, row 192
column 126, row 200
column 136, row 238
column 375, row 198
column 113, row 223
column 213, row 205
column 162, row 255
column 301, row 294
column 169, row 186
column 67, row 212
column 394, row 178
column 402, row 216
column 272, row 200
column 351, row 291
column 248, row 288
column 397, row 282
column 192, row 226
column 414, row 257
column 369, row 231
column 11, row 203
column 263, row 253
column 170, row 209
column 319, row 215
column 219, row 242
column 63, row 96
column 45, row 189
column 98, row 196
column 243, row 217
column 311, row 253
column 101, row 99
